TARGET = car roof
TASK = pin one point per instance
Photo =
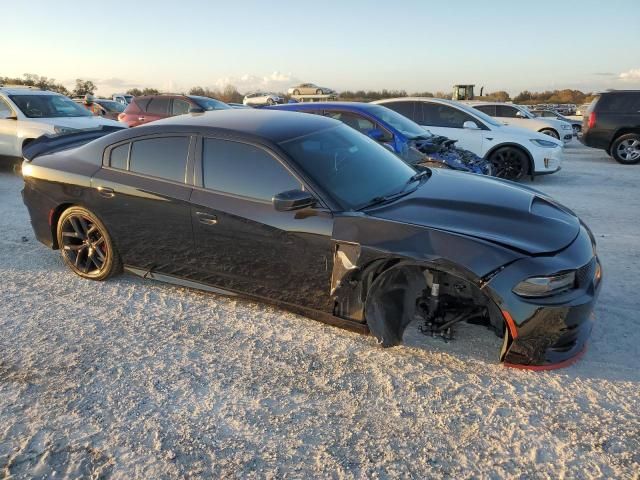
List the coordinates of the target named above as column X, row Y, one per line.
column 266, row 124
column 417, row 99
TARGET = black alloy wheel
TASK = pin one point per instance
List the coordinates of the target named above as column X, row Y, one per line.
column 86, row 246
column 509, row 163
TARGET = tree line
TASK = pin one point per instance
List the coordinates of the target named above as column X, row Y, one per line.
column 230, row 94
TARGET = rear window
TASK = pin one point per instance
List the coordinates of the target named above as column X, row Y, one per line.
column 621, row 102
column 141, row 103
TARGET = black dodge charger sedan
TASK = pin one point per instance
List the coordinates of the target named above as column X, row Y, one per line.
column 305, row 212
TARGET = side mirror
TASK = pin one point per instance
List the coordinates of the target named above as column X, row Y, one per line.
column 376, row 134
column 469, row 125
column 519, row 114
column 292, row 200
column 196, row 110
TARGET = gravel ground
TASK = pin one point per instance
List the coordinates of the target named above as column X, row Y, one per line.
column 137, row 379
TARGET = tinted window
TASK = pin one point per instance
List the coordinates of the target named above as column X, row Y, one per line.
column 160, row 157
column 506, row 111
column 354, row 121
column 403, row 108
column 488, row 109
column 158, row 106
column 180, row 107
column 620, row 103
column 350, row 167
column 242, row 169
column 142, row 103
column 439, row 115
column 119, row 156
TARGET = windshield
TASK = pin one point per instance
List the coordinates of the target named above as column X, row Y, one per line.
column 111, row 105
column 210, row 103
column 401, row 123
column 349, row 166
column 481, row 115
column 49, row 106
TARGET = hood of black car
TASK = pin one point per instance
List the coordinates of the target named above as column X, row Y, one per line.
column 486, row 208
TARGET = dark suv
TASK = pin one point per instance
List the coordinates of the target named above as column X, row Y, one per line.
column 148, row 108
column 612, row 123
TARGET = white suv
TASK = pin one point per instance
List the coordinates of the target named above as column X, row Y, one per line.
column 514, row 152
column 520, row 116
column 27, row 113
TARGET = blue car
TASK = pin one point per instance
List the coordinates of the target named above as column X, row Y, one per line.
column 407, row 139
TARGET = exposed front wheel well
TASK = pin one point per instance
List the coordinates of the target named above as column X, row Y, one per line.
column 552, row 132
column 439, row 298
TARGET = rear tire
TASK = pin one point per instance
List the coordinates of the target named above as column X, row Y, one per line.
column 510, row 163
column 86, row 246
column 551, row 132
column 296, row 92
column 626, row 149
column 318, row 92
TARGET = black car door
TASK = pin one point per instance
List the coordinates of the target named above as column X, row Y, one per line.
column 242, row 243
column 142, row 195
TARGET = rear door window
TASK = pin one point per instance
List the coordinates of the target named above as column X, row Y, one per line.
column 440, row 115
column 161, row 157
column 404, row 108
column 158, row 106
column 242, row 169
column 506, row 111
column 488, row 109
column 119, row 157
column 5, row 109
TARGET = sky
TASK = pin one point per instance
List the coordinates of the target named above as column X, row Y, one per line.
column 415, row 45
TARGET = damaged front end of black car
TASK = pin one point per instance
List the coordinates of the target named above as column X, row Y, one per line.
column 533, row 277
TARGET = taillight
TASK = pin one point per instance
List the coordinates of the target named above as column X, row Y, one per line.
column 121, row 117
column 592, row 119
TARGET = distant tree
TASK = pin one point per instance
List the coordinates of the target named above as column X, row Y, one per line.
column 197, row 91
column 446, row 95
column 422, row 94
column 136, row 92
column 33, row 80
column 230, row 94
column 150, row 91
column 83, row 87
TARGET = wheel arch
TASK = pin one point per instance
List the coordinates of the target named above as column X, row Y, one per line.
column 390, row 288
column 54, row 218
column 532, row 167
column 623, row 131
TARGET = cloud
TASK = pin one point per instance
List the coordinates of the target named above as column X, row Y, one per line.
column 605, row 74
column 632, row 75
column 275, row 81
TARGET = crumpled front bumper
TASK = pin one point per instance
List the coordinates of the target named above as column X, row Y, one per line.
column 550, row 332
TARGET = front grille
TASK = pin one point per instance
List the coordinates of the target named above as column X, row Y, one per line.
column 585, row 274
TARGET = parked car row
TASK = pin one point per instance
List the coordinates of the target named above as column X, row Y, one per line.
column 26, row 113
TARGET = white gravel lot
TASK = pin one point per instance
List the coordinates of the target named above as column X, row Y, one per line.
column 137, row 379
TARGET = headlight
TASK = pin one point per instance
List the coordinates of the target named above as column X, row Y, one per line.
column 565, row 126
column 543, row 143
column 58, row 129
column 545, row 286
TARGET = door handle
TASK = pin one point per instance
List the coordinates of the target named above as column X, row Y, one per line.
column 206, row 218
column 106, row 192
